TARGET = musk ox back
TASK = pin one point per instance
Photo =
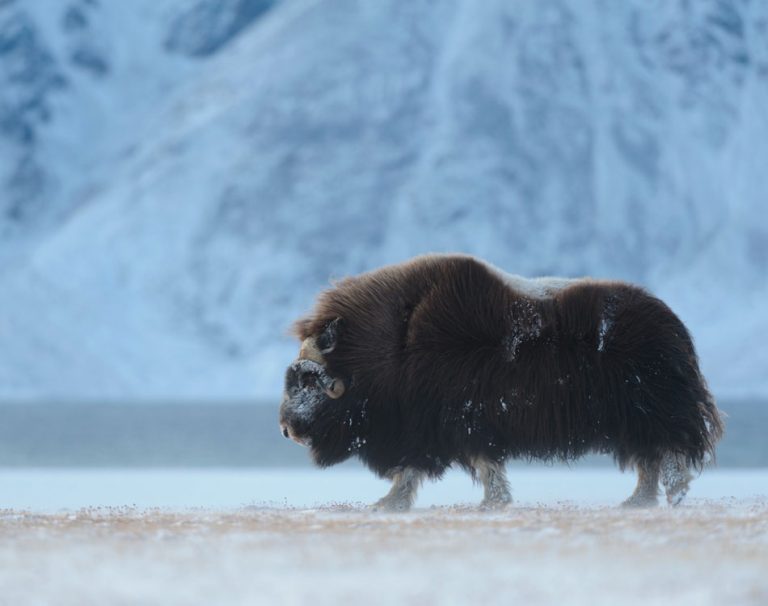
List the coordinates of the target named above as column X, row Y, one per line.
column 445, row 360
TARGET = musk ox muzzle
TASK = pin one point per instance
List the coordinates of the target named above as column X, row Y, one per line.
column 308, row 385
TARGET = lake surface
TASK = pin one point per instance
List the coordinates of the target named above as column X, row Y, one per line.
column 235, row 435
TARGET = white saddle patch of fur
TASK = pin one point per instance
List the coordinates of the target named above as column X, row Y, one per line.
column 543, row 287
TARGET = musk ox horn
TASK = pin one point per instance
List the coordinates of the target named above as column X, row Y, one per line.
column 310, row 351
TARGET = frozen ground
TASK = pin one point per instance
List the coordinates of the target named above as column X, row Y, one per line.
column 297, row 537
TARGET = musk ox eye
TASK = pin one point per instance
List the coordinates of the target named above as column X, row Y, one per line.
column 336, row 389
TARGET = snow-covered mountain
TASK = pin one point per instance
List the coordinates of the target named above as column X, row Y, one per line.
column 179, row 178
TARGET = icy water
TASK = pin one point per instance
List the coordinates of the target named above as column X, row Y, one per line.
column 53, row 489
column 235, row 435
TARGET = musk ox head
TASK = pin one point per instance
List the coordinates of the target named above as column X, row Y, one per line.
column 313, row 398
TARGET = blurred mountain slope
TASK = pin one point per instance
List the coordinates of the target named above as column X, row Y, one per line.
column 196, row 181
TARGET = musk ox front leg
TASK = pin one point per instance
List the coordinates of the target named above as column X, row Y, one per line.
column 647, row 490
column 495, row 485
column 405, row 484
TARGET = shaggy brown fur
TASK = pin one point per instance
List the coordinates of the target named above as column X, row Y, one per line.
column 447, row 360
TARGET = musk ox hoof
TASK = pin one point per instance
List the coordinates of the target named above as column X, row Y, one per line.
column 676, row 495
column 495, row 504
column 640, row 502
column 391, row 505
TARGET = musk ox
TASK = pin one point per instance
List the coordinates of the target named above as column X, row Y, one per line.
column 446, row 360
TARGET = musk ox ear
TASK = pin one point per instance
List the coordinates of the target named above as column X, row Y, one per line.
column 326, row 340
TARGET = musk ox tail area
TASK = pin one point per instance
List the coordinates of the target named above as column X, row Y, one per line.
column 668, row 410
column 714, row 428
column 708, row 420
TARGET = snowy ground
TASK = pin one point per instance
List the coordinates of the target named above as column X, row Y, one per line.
column 295, row 537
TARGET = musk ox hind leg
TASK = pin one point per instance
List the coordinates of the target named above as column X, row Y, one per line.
column 494, row 478
column 647, row 489
column 675, row 476
column 405, row 484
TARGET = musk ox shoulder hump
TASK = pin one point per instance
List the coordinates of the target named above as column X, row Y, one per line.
column 544, row 287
